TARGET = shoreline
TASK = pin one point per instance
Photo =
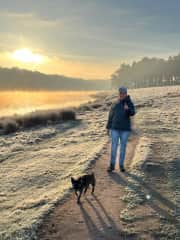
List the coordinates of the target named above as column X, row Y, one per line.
column 91, row 94
column 42, row 117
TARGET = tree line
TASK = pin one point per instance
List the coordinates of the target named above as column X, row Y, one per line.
column 21, row 79
column 148, row 72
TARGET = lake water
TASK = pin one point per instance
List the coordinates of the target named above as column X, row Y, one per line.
column 22, row 102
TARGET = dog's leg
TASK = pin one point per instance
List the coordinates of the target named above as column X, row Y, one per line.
column 93, row 184
column 85, row 190
column 78, row 200
column 93, row 188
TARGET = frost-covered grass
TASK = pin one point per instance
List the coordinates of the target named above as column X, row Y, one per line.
column 152, row 171
column 42, row 117
column 36, row 164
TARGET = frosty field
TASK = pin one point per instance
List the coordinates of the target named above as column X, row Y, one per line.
column 36, row 164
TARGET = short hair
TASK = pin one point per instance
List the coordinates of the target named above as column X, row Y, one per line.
column 122, row 90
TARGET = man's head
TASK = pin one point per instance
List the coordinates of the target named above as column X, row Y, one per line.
column 122, row 93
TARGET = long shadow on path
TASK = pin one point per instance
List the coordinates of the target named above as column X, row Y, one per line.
column 100, row 224
column 140, row 187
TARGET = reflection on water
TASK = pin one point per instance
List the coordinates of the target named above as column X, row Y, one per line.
column 21, row 102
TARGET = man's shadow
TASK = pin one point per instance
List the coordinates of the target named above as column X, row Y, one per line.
column 108, row 228
column 155, row 195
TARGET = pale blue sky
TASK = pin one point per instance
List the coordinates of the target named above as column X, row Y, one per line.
column 92, row 31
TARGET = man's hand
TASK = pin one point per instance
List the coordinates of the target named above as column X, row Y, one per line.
column 126, row 106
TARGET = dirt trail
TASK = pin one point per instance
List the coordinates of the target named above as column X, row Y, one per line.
column 107, row 215
column 98, row 216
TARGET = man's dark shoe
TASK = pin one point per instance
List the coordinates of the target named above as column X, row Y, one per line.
column 110, row 168
column 122, row 169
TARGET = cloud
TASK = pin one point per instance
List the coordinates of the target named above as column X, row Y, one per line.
column 27, row 20
column 21, row 30
column 89, row 37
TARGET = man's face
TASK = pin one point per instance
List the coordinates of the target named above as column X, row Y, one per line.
column 122, row 95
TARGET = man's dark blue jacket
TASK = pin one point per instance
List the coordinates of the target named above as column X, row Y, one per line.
column 119, row 118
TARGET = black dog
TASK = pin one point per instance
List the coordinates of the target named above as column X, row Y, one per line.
column 82, row 183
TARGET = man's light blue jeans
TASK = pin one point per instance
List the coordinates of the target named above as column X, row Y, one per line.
column 117, row 135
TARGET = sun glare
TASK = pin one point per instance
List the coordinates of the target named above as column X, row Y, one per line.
column 25, row 55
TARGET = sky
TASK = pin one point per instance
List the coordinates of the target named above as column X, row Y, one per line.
column 86, row 38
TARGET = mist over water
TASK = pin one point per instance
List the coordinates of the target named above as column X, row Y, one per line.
column 22, row 102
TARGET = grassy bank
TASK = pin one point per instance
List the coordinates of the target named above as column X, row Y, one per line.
column 19, row 122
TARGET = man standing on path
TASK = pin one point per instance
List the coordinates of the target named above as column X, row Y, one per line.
column 119, row 123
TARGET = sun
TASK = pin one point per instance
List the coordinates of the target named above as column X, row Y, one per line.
column 25, row 55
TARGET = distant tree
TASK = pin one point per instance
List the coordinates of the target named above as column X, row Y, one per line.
column 148, row 72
